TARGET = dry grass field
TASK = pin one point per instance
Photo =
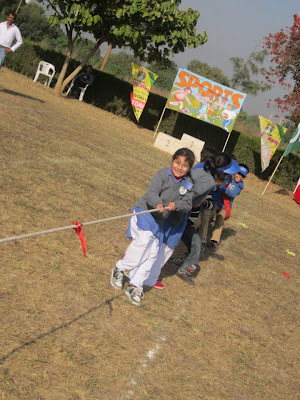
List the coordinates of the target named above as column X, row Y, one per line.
column 66, row 334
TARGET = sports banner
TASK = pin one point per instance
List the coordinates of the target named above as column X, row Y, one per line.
column 142, row 81
column 205, row 99
column 271, row 135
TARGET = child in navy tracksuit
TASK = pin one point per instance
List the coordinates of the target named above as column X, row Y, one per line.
column 155, row 235
column 204, row 209
column 223, row 202
column 205, row 179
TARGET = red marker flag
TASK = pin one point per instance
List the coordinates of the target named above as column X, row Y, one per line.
column 81, row 236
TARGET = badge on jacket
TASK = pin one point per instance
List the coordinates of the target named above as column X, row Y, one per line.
column 187, row 186
column 182, row 190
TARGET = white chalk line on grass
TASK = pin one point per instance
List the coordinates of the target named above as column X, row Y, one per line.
column 153, row 352
column 150, row 356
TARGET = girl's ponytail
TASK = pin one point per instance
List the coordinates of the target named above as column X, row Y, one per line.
column 210, row 165
column 219, row 160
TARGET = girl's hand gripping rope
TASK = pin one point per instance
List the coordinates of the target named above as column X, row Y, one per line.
column 171, row 206
column 161, row 207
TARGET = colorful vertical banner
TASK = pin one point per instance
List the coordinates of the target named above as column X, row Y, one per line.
column 205, row 99
column 271, row 135
column 142, row 81
column 294, row 143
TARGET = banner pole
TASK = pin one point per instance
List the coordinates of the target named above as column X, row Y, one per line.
column 162, row 114
column 272, row 175
column 226, row 141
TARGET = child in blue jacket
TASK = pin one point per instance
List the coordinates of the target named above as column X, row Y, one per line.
column 223, row 200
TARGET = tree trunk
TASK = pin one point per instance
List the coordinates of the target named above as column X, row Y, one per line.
column 58, row 87
column 106, row 58
column 79, row 68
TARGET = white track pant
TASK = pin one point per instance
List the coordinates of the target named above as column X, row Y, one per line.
column 144, row 258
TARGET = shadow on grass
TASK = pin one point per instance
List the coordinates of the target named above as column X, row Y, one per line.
column 215, row 253
column 62, row 326
column 284, row 192
column 22, row 95
column 170, row 268
column 211, row 253
column 227, row 232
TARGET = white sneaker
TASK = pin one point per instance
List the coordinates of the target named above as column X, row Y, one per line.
column 135, row 295
column 117, row 278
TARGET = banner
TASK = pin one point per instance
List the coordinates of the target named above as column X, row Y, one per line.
column 205, row 99
column 294, row 143
column 271, row 135
column 142, row 81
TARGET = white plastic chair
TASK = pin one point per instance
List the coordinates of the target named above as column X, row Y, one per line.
column 47, row 69
column 82, row 89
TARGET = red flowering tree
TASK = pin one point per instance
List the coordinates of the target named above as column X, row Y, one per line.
column 284, row 48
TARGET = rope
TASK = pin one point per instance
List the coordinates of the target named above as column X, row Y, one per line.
column 65, row 228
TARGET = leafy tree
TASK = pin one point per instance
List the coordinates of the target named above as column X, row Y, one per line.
column 213, row 73
column 119, row 65
column 250, row 123
column 75, row 17
column 166, row 74
column 284, row 47
column 34, row 24
column 153, row 30
column 6, row 7
column 59, row 44
column 244, row 70
column 82, row 49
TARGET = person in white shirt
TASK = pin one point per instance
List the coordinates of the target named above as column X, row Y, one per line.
column 9, row 33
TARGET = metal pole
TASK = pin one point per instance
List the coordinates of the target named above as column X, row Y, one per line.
column 228, row 136
column 162, row 114
column 19, row 5
column 272, row 175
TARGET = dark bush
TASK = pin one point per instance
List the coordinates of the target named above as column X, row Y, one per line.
column 26, row 59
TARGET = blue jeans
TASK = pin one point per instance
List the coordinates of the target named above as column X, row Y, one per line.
column 2, row 56
column 191, row 239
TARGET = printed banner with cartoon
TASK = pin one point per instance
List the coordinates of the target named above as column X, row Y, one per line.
column 271, row 135
column 205, row 99
column 142, row 81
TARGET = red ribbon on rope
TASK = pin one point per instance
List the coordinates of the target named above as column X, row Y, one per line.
column 80, row 234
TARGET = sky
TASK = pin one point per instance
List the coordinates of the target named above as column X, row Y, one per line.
column 235, row 28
